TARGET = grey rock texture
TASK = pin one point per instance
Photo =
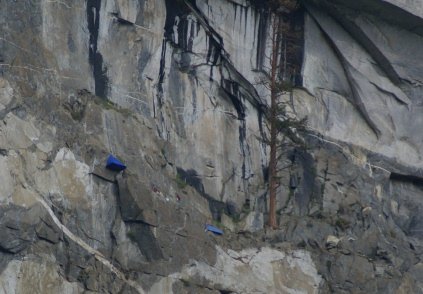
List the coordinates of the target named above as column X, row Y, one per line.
column 368, row 75
column 171, row 88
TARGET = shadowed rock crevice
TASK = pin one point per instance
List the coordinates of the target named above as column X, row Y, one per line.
column 18, row 227
column 387, row 10
column 191, row 178
column 216, row 55
column 95, row 57
column 137, row 211
column 349, row 219
column 412, row 179
column 142, row 234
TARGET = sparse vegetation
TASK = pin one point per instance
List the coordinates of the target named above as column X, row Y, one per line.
column 83, row 276
column 109, row 105
column 131, row 236
column 342, row 223
column 105, row 103
column 180, row 182
column 186, row 283
column 217, row 223
column 392, row 233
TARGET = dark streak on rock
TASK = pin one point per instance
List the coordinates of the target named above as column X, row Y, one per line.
column 95, row 57
column 132, row 214
column 161, row 75
column 122, row 21
column 306, row 190
column 243, row 145
column 192, row 178
column 214, row 51
column 261, row 39
column 102, row 177
column 233, row 86
column 141, row 233
column 260, row 4
column 412, row 179
column 232, row 91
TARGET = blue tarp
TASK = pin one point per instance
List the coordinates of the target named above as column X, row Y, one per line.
column 213, row 229
column 114, row 164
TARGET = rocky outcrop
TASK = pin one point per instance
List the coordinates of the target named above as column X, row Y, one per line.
column 262, row 270
column 367, row 77
column 172, row 89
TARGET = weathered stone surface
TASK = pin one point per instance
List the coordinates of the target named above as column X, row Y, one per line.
column 332, row 242
column 170, row 87
column 253, row 222
column 48, row 231
column 261, row 270
column 356, row 62
column 18, row 227
column 35, row 276
column 158, row 224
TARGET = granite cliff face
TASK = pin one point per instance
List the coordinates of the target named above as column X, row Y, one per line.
column 171, row 88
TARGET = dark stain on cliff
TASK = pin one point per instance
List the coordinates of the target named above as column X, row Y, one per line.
column 133, row 214
column 179, row 23
column 95, row 57
column 191, row 177
column 244, row 147
column 178, row 20
column 180, row 30
column 306, row 191
column 292, row 44
column 231, row 89
column 161, row 75
column 258, row 4
column 141, row 234
column 261, row 39
column 120, row 20
column 411, row 179
column 174, row 10
column 214, row 51
column 297, row 47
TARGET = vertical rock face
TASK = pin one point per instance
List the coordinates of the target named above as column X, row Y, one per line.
column 369, row 76
column 363, row 93
column 172, row 89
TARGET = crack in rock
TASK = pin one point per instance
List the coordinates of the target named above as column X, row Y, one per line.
column 98, row 255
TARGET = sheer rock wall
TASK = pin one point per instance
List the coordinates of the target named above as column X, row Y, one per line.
column 171, row 88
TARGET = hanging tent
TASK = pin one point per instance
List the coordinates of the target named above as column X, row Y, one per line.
column 213, row 229
column 114, row 164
